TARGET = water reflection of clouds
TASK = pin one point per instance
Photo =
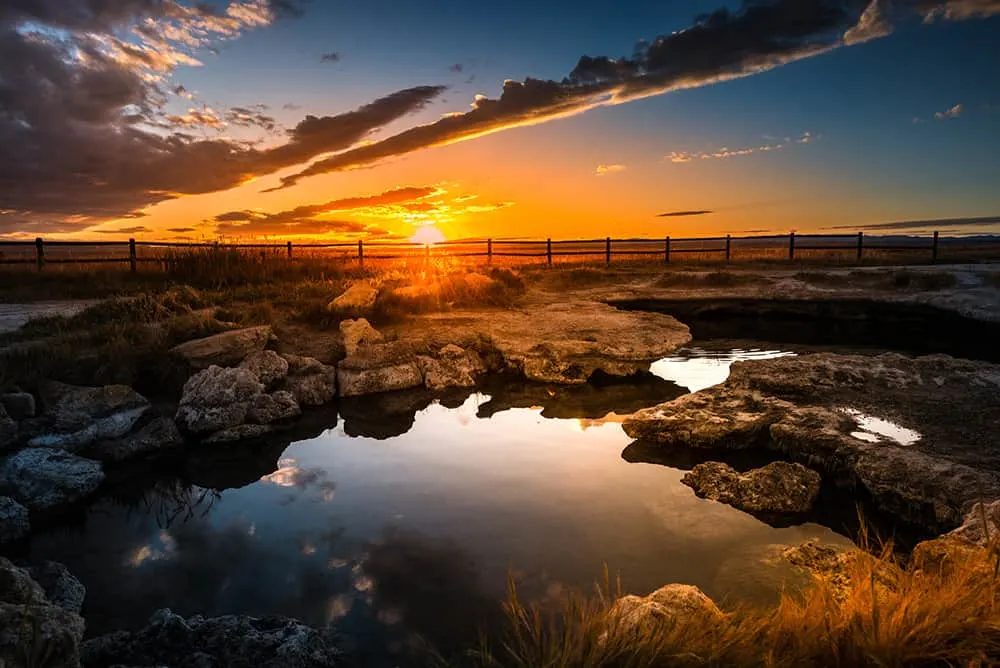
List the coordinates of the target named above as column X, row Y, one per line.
column 878, row 430
column 291, row 476
column 698, row 369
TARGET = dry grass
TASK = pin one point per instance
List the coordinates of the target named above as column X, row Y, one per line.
column 891, row 614
column 714, row 279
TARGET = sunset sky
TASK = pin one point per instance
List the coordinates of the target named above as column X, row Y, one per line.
column 260, row 119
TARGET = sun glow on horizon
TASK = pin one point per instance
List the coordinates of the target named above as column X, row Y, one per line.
column 427, row 234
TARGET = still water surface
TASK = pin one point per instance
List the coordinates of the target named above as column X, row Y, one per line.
column 417, row 533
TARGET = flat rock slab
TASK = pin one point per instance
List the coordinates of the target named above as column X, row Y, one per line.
column 560, row 342
column 225, row 349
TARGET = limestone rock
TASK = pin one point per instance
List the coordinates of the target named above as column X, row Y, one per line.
column 358, row 332
column 674, row 604
column 358, row 299
column 243, row 432
column 60, row 586
column 232, row 640
column 76, row 417
column 381, row 367
column 981, row 525
column 157, row 436
column 19, row 405
column 215, row 399
column 777, row 488
column 452, row 367
column 17, row 586
column 279, row 405
column 225, row 349
column 267, row 365
column 41, row 478
column 309, row 381
column 8, row 429
column 14, row 522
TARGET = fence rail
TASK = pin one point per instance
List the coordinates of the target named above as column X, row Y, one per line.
column 725, row 248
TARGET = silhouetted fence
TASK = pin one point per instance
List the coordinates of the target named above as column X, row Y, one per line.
column 791, row 247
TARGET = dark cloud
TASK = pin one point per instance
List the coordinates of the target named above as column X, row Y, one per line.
column 253, row 116
column 181, row 229
column 923, row 224
column 139, row 229
column 958, row 10
column 332, row 57
column 456, row 68
column 681, row 214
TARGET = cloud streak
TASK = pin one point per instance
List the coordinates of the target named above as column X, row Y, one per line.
column 953, row 112
column 683, row 214
column 923, row 224
column 681, row 157
column 603, row 170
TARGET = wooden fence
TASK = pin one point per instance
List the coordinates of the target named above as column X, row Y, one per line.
column 852, row 247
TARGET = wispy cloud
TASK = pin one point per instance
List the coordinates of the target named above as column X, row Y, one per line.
column 457, row 68
column 681, row 157
column 603, row 170
column 682, row 214
column 923, row 224
column 139, row 229
column 331, row 57
column 953, row 112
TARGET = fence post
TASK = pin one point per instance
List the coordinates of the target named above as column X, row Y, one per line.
column 39, row 253
column 131, row 255
column 489, row 252
column 791, row 245
column 861, row 245
column 361, row 254
column 666, row 250
column 607, row 251
column 934, row 249
column 289, row 250
column 729, row 247
column 548, row 250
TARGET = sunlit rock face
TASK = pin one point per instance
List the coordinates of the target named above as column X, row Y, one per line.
column 216, row 399
column 379, row 367
column 225, row 349
column 830, row 412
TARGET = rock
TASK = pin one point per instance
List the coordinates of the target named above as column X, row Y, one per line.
column 215, row 399
column 967, row 545
column 674, row 604
column 310, row 382
column 380, row 367
column 267, row 365
column 14, row 522
column 358, row 332
column 77, row 417
column 17, row 585
column 453, row 367
column 358, row 299
column 19, row 405
column 225, row 349
column 838, row 566
column 157, row 436
column 60, row 586
column 41, row 478
column 8, row 429
column 981, row 525
column 279, row 405
column 777, row 488
column 232, row 640
column 33, row 631
column 243, row 432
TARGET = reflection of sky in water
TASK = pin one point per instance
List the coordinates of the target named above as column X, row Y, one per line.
column 879, row 430
column 697, row 369
column 380, row 532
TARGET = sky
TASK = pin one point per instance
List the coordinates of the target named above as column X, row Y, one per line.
column 399, row 119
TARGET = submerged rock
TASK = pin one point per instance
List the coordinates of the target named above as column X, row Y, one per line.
column 233, row 640
column 267, row 365
column 272, row 407
column 357, row 333
column 76, row 417
column 380, row 367
column 451, row 367
column 41, row 478
column 309, row 381
column 19, row 405
column 358, row 299
column 672, row 605
column 225, row 349
column 777, row 488
column 157, row 436
column 216, row 398
column 14, row 521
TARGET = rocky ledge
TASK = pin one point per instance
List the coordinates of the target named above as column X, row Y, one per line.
column 779, row 488
column 916, row 434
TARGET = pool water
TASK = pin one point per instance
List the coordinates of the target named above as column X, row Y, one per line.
column 416, row 534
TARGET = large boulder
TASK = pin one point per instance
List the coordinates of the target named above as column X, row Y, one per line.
column 157, row 436
column 309, row 381
column 14, row 521
column 76, row 417
column 216, row 398
column 380, row 367
column 358, row 299
column 60, row 586
column 267, row 365
column 272, row 407
column 225, row 349
column 33, row 631
column 451, row 367
column 233, row 640
column 357, row 333
column 778, row 488
column 19, row 405
column 672, row 605
column 41, row 478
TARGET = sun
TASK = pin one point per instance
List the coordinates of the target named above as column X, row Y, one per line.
column 427, row 234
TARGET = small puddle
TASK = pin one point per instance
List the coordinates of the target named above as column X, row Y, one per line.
column 878, row 430
column 697, row 368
